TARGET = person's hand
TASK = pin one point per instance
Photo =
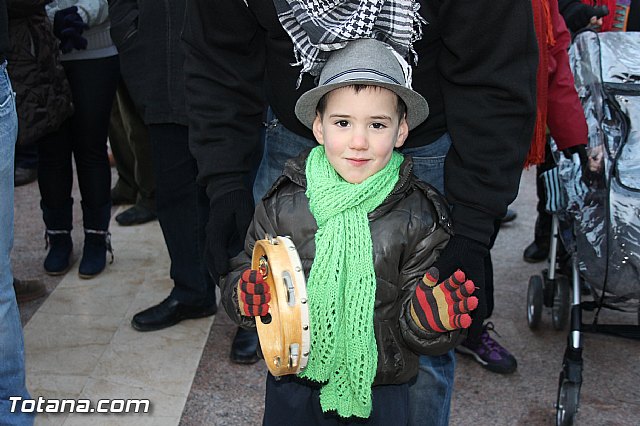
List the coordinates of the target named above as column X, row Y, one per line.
column 68, row 27
column 67, row 19
column 441, row 307
column 253, row 294
column 581, row 15
column 72, row 40
column 465, row 254
column 596, row 22
column 229, row 218
column 469, row 256
column 595, row 163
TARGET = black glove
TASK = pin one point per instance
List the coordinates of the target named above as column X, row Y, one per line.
column 578, row 15
column 72, row 40
column 469, row 256
column 68, row 26
column 465, row 254
column 229, row 219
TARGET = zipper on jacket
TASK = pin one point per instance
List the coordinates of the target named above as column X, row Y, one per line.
column 403, row 181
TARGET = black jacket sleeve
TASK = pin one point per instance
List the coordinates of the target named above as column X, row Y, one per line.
column 487, row 68
column 224, row 70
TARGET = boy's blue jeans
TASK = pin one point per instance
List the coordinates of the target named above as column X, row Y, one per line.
column 430, row 394
column 12, row 376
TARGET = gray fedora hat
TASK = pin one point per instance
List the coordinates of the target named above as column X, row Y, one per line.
column 363, row 61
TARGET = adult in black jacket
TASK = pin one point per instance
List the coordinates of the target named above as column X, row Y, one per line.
column 476, row 68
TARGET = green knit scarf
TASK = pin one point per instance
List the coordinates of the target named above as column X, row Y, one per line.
column 342, row 284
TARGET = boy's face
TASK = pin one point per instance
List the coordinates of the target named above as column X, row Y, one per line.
column 359, row 131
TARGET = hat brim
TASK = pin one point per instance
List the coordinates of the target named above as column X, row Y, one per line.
column 417, row 107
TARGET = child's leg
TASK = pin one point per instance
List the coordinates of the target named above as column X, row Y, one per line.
column 289, row 402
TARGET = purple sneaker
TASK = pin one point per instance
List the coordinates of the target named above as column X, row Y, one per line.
column 489, row 353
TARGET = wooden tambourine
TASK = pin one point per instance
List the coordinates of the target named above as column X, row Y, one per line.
column 284, row 333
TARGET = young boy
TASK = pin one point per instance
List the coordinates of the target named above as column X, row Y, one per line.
column 366, row 231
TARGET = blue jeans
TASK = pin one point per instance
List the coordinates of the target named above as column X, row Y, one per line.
column 280, row 144
column 430, row 394
column 12, row 377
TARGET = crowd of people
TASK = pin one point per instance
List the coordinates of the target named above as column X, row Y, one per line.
column 336, row 126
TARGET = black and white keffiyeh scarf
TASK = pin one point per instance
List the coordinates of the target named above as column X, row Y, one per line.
column 318, row 27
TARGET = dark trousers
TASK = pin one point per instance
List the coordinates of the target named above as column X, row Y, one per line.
column 484, row 292
column 289, row 402
column 543, row 229
column 183, row 211
column 82, row 137
column 26, row 156
column 131, row 149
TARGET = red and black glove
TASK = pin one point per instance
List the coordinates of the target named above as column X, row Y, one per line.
column 441, row 307
column 253, row 294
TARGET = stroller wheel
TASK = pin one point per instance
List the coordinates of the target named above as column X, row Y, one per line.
column 534, row 301
column 567, row 402
column 561, row 303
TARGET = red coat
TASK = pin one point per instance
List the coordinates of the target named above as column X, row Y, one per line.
column 559, row 108
column 565, row 116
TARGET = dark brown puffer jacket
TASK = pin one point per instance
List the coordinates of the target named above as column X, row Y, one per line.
column 408, row 231
column 43, row 95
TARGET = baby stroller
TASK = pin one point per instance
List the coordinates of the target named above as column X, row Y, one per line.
column 596, row 214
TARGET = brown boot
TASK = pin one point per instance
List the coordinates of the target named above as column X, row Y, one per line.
column 28, row 290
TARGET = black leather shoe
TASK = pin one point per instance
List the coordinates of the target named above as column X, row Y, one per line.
column 244, row 349
column 28, row 290
column 510, row 216
column 23, row 176
column 535, row 253
column 167, row 313
column 135, row 215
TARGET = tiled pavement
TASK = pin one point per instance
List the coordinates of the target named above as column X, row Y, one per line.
column 79, row 342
